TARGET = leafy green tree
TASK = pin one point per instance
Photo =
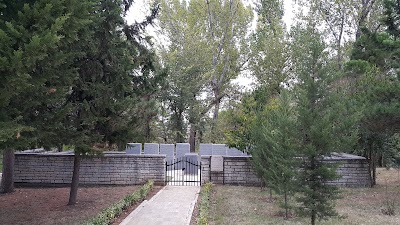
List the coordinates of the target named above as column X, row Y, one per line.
column 342, row 22
column 269, row 47
column 241, row 118
column 227, row 28
column 187, row 61
column 206, row 50
column 268, row 66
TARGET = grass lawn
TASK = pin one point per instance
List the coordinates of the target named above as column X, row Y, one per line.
column 250, row 205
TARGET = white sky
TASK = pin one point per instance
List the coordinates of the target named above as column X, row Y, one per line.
column 140, row 9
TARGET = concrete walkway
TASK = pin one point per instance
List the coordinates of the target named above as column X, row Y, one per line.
column 172, row 205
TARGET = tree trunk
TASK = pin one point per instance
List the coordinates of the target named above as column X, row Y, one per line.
column 200, row 137
column 372, row 164
column 313, row 217
column 286, row 206
column 7, row 179
column 75, row 180
column 216, row 111
column 179, row 127
column 192, row 138
column 365, row 11
column 270, row 195
column 339, row 56
column 215, row 119
column 339, row 43
column 374, row 158
column 148, row 129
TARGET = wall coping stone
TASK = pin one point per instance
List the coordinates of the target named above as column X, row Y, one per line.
column 334, row 157
column 95, row 156
column 227, row 157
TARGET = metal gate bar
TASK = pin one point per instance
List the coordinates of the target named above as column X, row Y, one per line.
column 183, row 171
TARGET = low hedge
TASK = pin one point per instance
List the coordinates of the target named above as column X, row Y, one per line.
column 108, row 215
column 204, row 205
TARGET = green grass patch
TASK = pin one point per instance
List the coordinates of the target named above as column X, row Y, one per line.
column 204, row 205
column 108, row 215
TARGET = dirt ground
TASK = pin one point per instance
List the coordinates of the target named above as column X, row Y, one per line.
column 195, row 214
column 236, row 205
column 48, row 206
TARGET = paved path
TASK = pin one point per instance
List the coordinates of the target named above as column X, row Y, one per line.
column 172, row 205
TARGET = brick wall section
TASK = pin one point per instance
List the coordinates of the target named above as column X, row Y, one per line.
column 205, row 169
column 352, row 172
column 106, row 170
column 121, row 169
column 237, row 171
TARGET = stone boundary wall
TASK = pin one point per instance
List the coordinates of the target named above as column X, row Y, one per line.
column 112, row 169
column 238, row 171
column 352, row 172
column 126, row 169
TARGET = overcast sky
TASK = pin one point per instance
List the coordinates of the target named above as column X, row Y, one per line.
column 140, row 10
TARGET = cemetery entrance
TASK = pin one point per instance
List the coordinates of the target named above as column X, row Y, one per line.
column 183, row 171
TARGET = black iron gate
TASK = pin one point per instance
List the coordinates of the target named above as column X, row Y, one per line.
column 184, row 171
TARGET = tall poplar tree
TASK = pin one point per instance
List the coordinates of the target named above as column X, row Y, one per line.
column 186, row 57
column 342, row 22
column 208, row 45
column 268, row 67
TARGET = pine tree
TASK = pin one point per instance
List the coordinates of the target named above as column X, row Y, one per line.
column 34, row 66
column 107, row 89
column 392, row 17
column 273, row 151
column 325, row 122
column 374, row 67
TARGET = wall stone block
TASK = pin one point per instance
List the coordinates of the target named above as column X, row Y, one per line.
column 238, row 171
column 39, row 169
